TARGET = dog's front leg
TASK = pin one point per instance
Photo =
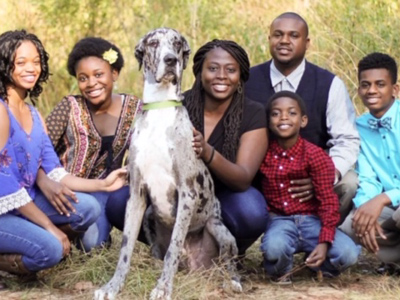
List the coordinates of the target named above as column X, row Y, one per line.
column 163, row 290
column 133, row 219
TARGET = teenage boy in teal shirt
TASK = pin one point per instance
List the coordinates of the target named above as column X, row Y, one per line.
column 375, row 222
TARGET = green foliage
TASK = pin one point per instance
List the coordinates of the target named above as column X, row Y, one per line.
column 341, row 31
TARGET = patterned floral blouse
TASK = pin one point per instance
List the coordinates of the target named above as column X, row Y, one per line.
column 20, row 160
column 78, row 143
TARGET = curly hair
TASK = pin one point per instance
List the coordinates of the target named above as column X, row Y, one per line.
column 194, row 98
column 378, row 60
column 92, row 46
column 9, row 43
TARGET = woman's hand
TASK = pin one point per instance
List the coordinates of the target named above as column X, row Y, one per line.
column 202, row 149
column 198, row 143
column 35, row 215
column 57, row 194
column 115, row 180
column 62, row 237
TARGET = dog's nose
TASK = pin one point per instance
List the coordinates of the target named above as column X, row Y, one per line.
column 170, row 60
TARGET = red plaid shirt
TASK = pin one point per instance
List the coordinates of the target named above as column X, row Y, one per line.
column 303, row 160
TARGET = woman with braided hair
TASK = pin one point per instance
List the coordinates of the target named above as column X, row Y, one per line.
column 230, row 135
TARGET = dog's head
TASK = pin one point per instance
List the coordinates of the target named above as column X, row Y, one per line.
column 164, row 53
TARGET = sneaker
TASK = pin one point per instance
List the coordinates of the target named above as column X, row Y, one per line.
column 388, row 269
column 3, row 285
column 331, row 274
column 278, row 280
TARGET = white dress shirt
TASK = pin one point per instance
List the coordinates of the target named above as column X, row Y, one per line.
column 344, row 143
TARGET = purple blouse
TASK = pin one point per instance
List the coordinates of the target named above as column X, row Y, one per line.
column 20, row 160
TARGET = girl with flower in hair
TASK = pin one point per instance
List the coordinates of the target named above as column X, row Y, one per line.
column 33, row 236
column 92, row 131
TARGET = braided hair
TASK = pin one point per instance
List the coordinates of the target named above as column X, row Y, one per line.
column 9, row 43
column 194, row 98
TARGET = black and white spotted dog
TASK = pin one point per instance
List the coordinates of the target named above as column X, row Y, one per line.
column 164, row 168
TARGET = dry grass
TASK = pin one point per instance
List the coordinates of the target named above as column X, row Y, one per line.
column 80, row 274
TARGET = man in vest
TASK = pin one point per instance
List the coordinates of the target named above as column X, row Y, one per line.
column 331, row 123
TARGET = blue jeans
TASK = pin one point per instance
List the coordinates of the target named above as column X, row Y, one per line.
column 38, row 247
column 98, row 233
column 245, row 214
column 115, row 207
column 115, row 211
column 287, row 235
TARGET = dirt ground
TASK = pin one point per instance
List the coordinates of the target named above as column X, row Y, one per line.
column 361, row 282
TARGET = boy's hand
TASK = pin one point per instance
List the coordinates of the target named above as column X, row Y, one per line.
column 302, row 189
column 366, row 216
column 368, row 240
column 318, row 256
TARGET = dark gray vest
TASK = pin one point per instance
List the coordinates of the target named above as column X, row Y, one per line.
column 313, row 88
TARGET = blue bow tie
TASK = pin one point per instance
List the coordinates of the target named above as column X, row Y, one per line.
column 384, row 123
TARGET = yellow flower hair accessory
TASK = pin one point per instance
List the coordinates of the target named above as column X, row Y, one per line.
column 111, row 56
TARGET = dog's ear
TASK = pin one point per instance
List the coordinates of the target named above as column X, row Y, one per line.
column 185, row 52
column 139, row 52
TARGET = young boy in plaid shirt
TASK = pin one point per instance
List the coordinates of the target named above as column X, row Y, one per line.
column 295, row 226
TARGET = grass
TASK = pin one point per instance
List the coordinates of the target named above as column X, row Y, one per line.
column 341, row 32
column 80, row 274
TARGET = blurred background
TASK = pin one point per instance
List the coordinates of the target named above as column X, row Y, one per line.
column 341, row 32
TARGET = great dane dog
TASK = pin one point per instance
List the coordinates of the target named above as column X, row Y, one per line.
column 164, row 169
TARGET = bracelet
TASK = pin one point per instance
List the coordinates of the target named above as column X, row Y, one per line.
column 211, row 157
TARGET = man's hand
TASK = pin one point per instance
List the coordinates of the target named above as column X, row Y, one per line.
column 317, row 256
column 302, row 189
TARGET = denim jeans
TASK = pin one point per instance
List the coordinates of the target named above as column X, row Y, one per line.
column 115, row 207
column 38, row 247
column 98, row 233
column 245, row 214
column 287, row 235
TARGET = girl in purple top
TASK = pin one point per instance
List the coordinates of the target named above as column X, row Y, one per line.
column 33, row 235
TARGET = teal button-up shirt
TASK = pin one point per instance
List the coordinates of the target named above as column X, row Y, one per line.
column 378, row 165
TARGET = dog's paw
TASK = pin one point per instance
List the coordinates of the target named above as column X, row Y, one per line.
column 102, row 294
column 160, row 294
column 236, row 286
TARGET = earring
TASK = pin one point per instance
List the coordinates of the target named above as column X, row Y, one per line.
column 239, row 88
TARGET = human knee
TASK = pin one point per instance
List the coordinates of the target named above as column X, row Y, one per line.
column 345, row 254
column 245, row 213
column 348, row 185
column 46, row 256
column 347, row 228
column 349, row 256
column 273, row 248
column 88, row 209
